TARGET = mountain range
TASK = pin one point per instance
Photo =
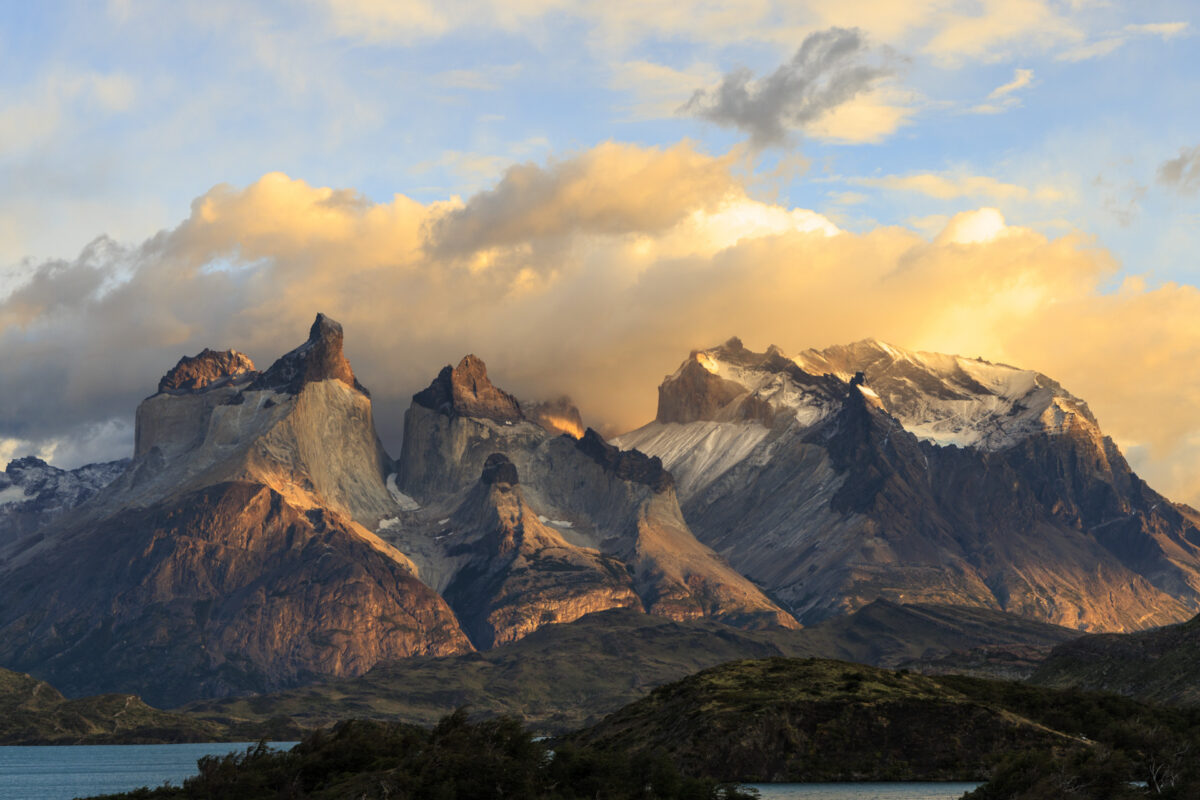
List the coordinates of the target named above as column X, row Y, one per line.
column 261, row 537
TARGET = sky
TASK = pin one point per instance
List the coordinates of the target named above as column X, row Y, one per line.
column 581, row 193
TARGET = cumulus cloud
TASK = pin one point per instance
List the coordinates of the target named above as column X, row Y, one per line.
column 585, row 277
column 1182, row 173
column 828, row 71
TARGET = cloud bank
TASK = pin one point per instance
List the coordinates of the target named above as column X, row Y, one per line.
column 594, row 275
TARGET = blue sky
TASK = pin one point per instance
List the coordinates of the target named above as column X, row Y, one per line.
column 117, row 115
column 1076, row 119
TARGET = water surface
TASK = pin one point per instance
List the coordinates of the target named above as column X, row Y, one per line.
column 66, row 772
column 862, row 791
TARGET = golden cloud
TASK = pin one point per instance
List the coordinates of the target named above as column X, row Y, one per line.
column 592, row 275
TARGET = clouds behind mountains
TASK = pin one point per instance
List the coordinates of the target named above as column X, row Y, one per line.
column 594, row 275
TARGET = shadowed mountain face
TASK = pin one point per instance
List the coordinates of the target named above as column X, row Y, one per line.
column 235, row 553
column 918, row 477
column 587, row 527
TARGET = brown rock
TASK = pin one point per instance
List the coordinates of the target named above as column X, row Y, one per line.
column 318, row 359
column 466, row 391
column 208, row 369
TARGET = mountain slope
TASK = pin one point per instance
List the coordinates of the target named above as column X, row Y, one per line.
column 1160, row 665
column 919, row 478
column 615, row 510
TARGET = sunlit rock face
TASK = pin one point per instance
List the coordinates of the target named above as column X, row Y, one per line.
column 864, row 471
column 618, row 506
column 237, row 549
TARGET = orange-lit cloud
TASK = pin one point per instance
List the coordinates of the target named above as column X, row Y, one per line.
column 593, row 275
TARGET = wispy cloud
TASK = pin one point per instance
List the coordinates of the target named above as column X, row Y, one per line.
column 949, row 186
column 1112, row 42
column 1003, row 98
column 1182, row 173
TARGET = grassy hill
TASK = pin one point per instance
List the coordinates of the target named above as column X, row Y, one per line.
column 33, row 712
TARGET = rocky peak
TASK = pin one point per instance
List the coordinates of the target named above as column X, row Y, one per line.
column 498, row 471
column 557, row 416
column 208, row 369
column 318, row 359
column 629, row 465
column 466, row 391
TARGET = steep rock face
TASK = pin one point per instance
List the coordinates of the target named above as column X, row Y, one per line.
column 305, row 428
column 320, row 358
column 838, row 500
column 593, row 496
column 33, row 494
column 465, row 390
column 516, row 572
column 235, row 553
column 206, row 369
column 228, row 590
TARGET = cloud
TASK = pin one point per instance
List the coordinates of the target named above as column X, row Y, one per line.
column 1021, row 79
column 657, row 88
column 1182, row 173
column 949, row 186
column 28, row 121
column 828, row 71
column 1116, row 40
column 594, row 274
column 1003, row 97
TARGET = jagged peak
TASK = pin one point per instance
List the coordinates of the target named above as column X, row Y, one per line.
column 207, row 370
column 466, row 391
column 630, row 465
column 320, row 358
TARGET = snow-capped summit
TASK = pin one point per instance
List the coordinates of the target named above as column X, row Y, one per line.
column 862, row 471
column 949, row 399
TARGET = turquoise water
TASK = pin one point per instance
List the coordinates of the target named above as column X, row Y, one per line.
column 862, row 791
column 63, row 773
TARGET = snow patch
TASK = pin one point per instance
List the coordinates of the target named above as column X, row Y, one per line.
column 696, row 453
column 388, row 524
column 405, row 502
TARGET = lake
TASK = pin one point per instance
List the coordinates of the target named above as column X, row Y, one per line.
column 862, row 791
column 64, row 773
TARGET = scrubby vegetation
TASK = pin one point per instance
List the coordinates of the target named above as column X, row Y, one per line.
column 456, row 760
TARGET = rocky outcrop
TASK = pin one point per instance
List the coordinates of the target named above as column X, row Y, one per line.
column 318, row 359
column 227, row 590
column 586, row 492
column 466, row 391
column 836, row 502
column 207, row 369
column 516, row 572
column 628, row 465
